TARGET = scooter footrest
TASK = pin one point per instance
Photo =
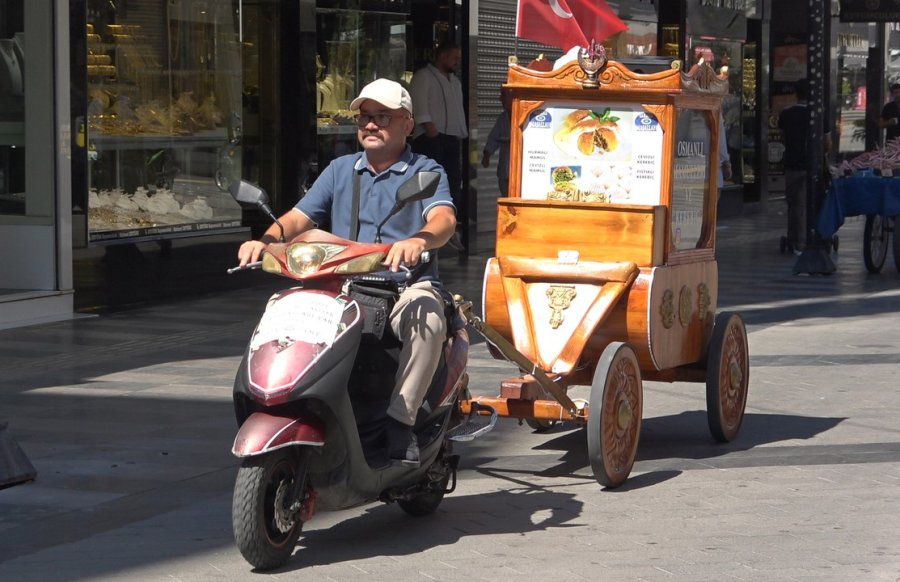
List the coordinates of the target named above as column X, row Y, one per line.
column 474, row 427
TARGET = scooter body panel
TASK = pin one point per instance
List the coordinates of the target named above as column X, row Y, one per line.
column 302, row 332
column 262, row 433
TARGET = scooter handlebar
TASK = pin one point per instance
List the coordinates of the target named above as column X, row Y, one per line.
column 248, row 266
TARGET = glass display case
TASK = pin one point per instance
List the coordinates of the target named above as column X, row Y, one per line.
column 354, row 47
column 163, row 117
column 690, row 178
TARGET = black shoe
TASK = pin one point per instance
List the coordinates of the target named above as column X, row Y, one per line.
column 401, row 443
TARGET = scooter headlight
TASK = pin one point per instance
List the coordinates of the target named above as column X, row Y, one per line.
column 305, row 258
column 364, row 264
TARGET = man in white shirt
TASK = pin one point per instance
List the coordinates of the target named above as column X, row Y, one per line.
column 440, row 117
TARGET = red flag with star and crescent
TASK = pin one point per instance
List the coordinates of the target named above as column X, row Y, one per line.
column 567, row 23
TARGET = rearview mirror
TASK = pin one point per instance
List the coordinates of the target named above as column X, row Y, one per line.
column 421, row 186
column 248, row 193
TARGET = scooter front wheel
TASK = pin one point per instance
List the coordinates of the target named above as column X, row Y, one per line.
column 265, row 511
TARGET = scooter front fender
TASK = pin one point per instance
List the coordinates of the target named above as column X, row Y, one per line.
column 263, row 432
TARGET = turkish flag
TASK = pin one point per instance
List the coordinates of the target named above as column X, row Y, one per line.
column 567, row 23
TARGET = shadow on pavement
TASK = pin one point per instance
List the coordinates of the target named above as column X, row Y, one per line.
column 674, row 443
column 518, row 510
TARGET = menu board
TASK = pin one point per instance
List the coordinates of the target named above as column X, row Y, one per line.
column 590, row 152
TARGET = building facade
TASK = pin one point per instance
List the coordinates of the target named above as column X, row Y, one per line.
column 117, row 146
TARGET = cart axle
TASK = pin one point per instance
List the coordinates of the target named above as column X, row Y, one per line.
column 517, row 408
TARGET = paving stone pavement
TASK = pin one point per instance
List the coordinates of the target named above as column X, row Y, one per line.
column 127, row 419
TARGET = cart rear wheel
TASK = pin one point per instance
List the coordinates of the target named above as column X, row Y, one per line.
column 614, row 420
column 896, row 222
column 875, row 242
column 727, row 376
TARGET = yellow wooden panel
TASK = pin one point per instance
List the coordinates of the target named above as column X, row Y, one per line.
column 598, row 232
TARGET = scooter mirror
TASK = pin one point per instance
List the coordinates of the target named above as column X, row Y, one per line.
column 421, row 186
column 248, row 193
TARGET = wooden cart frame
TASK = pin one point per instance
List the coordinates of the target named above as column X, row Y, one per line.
column 608, row 285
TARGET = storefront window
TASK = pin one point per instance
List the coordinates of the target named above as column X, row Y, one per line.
column 354, row 48
column 852, row 53
column 164, row 116
column 640, row 38
column 12, row 107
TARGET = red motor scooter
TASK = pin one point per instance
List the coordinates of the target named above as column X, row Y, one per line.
column 313, row 388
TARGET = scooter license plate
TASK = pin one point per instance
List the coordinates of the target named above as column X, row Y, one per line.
column 312, row 318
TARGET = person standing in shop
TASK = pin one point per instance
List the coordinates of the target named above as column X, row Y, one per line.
column 441, row 118
column 724, row 159
column 498, row 140
column 890, row 115
column 793, row 121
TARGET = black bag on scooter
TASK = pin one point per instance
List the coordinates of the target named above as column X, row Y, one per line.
column 376, row 298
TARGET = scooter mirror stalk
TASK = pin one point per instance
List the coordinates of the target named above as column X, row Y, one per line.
column 421, row 186
column 247, row 193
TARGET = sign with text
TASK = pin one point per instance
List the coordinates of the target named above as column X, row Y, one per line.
column 589, row 152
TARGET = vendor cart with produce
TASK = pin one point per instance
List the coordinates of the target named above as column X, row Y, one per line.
column 869, row 185
column 605, row 272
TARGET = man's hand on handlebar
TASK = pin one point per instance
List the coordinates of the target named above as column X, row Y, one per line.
column 250, row 252
column 407, row 252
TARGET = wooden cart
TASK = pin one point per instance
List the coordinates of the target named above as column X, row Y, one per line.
column 605, row 271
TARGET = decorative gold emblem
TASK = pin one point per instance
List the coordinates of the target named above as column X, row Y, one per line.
column 591, row 60
column 667, row 309
column 703, row 301
column 560, row 298
column 685, row 306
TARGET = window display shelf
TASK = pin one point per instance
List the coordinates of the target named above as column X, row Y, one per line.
column 148, row 141
column 336, row 130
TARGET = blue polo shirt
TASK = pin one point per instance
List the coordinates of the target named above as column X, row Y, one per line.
column 331, row 199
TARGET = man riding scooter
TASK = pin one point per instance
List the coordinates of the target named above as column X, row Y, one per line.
column 369, row 181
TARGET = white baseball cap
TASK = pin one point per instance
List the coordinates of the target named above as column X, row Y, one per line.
column 390, row 94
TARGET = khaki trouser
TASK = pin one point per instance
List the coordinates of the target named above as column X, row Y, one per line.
column 418, row 321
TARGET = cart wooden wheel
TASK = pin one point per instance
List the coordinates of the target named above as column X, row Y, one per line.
column 727, row 376
column 875, row 242
column 614, row 419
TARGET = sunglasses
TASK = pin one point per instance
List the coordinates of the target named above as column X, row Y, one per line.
column 380, row 119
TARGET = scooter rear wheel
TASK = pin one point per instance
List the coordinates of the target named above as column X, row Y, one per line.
column 431, row 493
column 264, row 517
